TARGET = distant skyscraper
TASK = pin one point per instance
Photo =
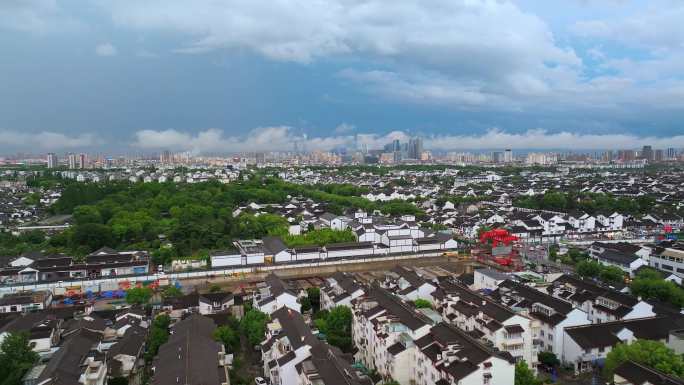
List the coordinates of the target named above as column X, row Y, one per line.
column 415, row 148
column 165, row 157
column 508, row 156
column 51, row 160
column 658, row 156
column 83, row 161
column 671, row 153
column 497, row 157
column 260, row 158
column 647, row 153
column 71, row 158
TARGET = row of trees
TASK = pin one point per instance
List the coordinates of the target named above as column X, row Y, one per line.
column 320, row 237
column 591, row 203
column 592, row 269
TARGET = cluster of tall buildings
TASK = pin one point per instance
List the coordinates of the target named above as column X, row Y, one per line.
column 396, row 151
column 72, row 161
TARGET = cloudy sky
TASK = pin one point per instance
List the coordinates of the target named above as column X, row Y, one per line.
column 231, row 75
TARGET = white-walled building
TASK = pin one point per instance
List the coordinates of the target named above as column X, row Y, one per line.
column 274, row 294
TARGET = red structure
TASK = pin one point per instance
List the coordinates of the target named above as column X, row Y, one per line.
column 500, row 237
column 497, row 236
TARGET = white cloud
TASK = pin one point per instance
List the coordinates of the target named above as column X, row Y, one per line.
column 542, row 139
column 283, row 138
column 344, row 128
column 35, row 16
column 45, row 140
column 106, row 49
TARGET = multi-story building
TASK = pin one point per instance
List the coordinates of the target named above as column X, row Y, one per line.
column 292, row 355
column 602, row 304
column 553, row 315
column 52, row 160
column 488, row 320
column 71, row 161
column 447, row 355
column 381, row 324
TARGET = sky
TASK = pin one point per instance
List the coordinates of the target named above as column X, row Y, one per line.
column 223, row 76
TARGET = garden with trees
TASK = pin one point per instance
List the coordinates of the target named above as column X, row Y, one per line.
column 591, row 203
column 185, row 219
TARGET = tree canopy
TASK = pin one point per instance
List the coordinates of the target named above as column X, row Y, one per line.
column 253, row 325
column 649, row 284
column 592, row 269
column 650, row 353
column 591, row 203
column 138, row 295
column 16, row 358
column 184, row 219
column 524, row 375
column 336, row 325
column 422, row 304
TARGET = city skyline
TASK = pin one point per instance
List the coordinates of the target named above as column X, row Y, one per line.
column 124, row 77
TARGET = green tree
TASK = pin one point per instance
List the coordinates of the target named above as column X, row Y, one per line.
column 611, row 274
column 228, row 337
column 253, row 325
column 649, row 284
column 422, row 304
column 588, row 268
column 86, row 214
column 524, row 375
column 214, row 288
column 159, row 334
column 171, row 291
column 650, row 353
column 92, row 236
column 16, row 358
column 314, row 296
column 138, row 295
column 549, row 359
column 336, row 325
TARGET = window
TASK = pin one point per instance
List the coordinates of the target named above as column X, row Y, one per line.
column 666, row 267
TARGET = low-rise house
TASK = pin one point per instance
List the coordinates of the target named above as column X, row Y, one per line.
column 212, row 303
column 274, row 294
column 633, row 373
column 191, row 356
column 339, row 290
column 25, row 301
column 76, row 362
column 488, row 279
column 408, row 285
column 585, row 345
